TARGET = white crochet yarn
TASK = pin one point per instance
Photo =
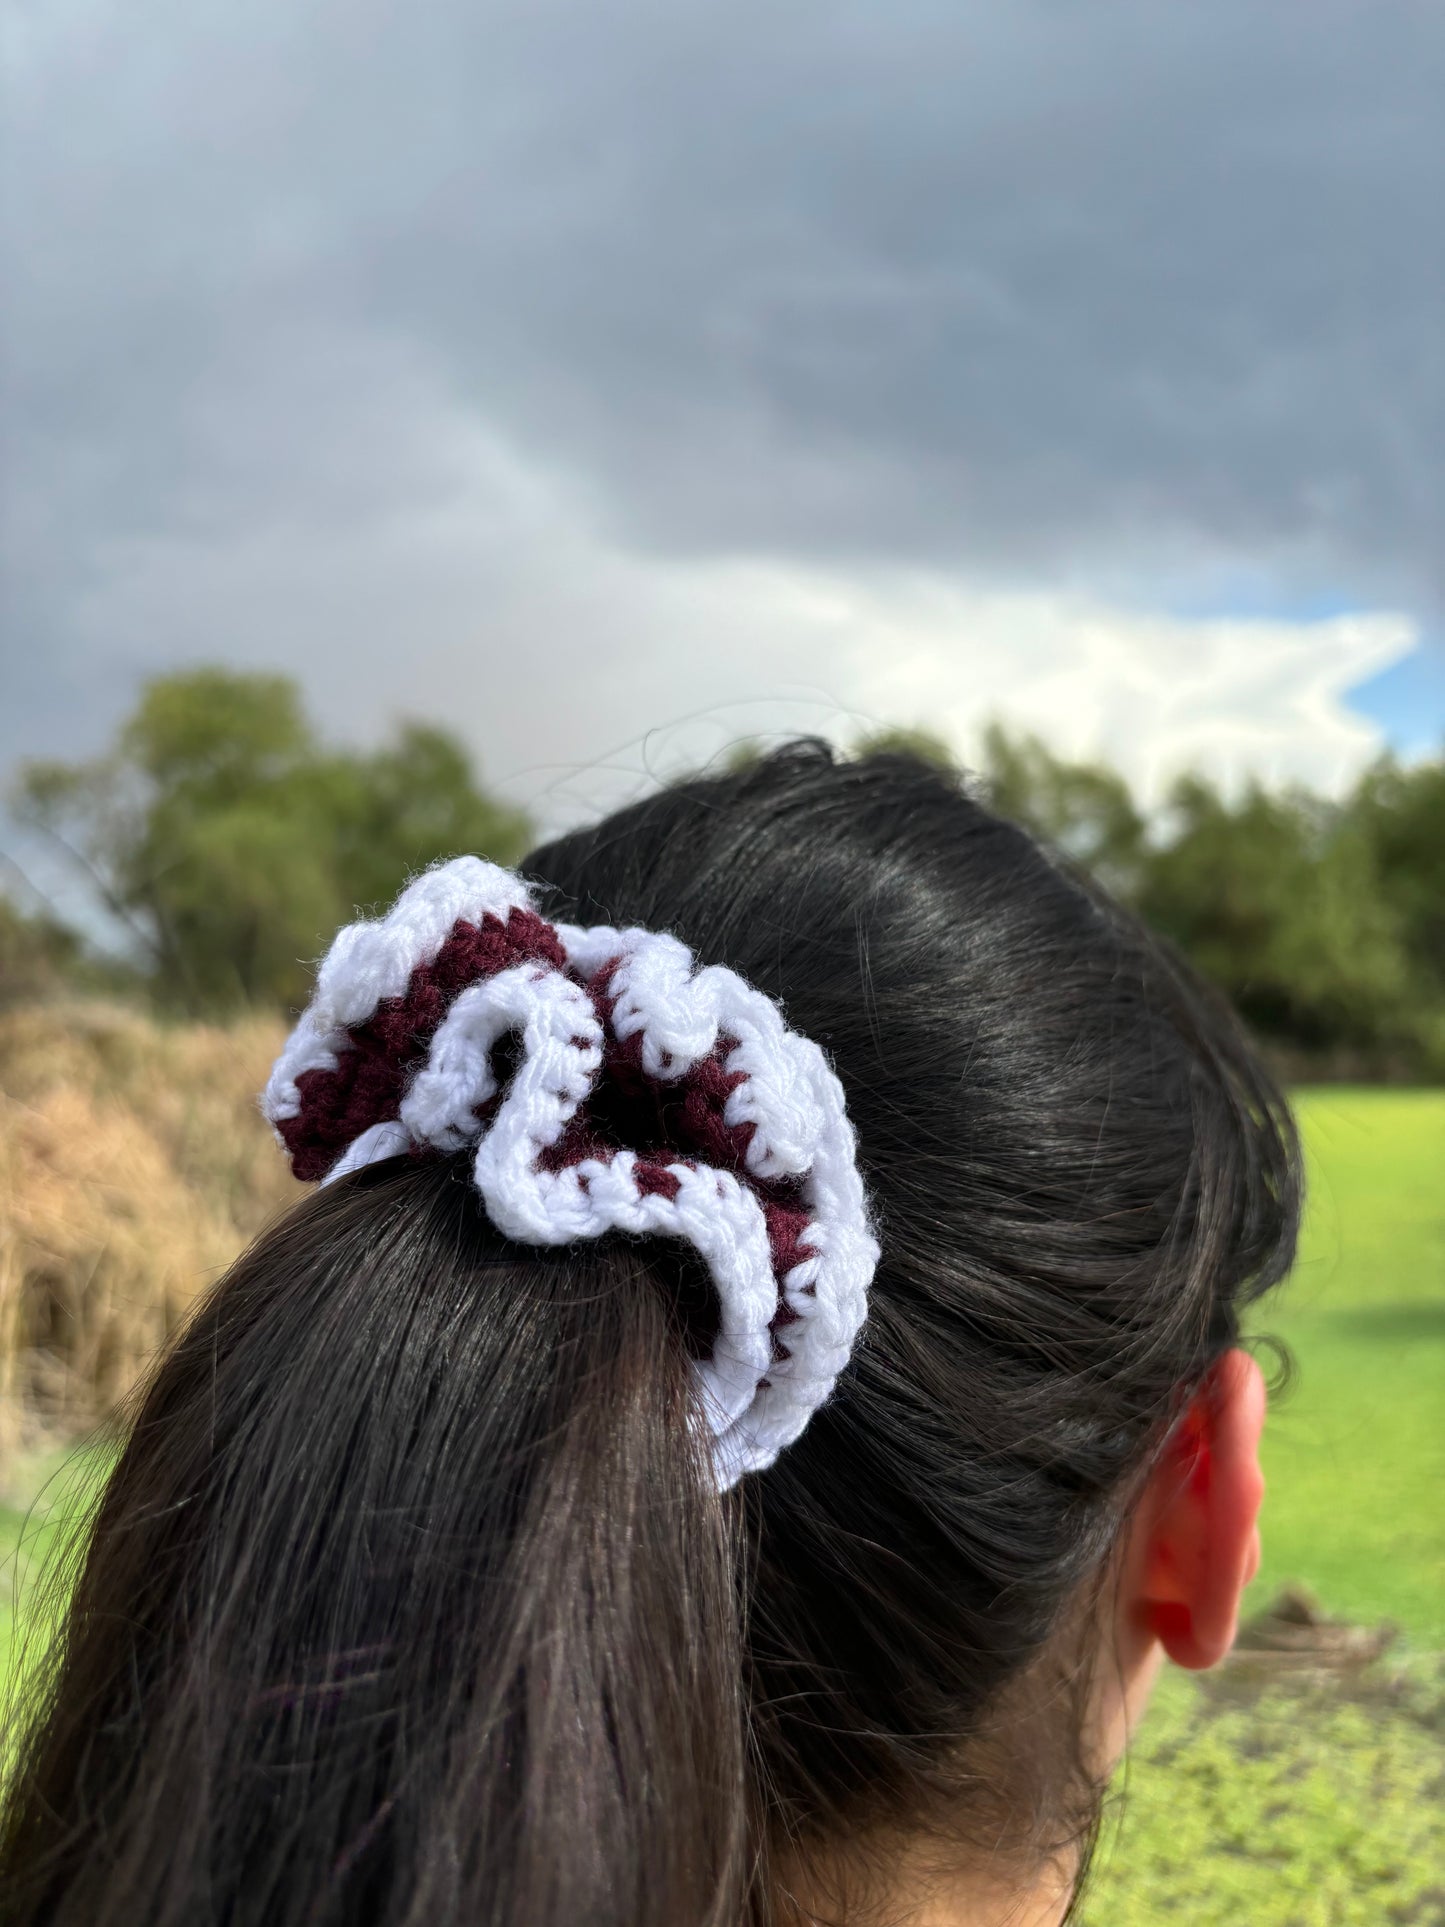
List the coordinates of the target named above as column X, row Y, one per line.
column 369, row 962
column 754, row 1403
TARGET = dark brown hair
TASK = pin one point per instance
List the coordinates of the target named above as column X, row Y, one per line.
column 410, row 1600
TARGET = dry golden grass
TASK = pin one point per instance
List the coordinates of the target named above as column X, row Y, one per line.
column 133, row 1166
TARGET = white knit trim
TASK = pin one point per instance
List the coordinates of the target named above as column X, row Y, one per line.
column 371, row 961
column 374, row 1146
column 561, row 1054
column 754, row 1403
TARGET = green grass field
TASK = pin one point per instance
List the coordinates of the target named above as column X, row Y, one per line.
column 1356, row 1456
column 1295, row 1806
column 1325, row 1806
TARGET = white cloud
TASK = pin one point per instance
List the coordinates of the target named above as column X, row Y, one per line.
column 465, row 583
column 1153, row 693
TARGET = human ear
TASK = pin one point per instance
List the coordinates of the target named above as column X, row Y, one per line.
column 1200, row 1517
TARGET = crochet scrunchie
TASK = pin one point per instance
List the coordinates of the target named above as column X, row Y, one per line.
column 649, row 1095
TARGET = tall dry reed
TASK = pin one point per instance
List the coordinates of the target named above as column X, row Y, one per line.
column 133, row 1166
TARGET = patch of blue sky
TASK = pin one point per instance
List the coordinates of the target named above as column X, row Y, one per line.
column 1406, row 700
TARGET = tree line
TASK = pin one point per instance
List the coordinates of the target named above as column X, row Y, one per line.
column 227, row 841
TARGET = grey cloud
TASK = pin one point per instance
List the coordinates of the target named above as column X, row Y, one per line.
column 1027, row 287
column 1109, row 292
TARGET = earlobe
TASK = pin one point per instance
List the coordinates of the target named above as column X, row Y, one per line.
column 1203, row 1534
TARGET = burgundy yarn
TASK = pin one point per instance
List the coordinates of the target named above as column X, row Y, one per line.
column 663, row 1120
column 371, row 1077
column 786, row 1225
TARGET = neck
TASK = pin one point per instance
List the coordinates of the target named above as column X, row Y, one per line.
column 907, row 1886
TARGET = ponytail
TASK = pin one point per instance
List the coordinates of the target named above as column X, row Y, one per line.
column 430, row 1598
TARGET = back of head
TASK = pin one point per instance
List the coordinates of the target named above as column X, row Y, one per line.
column 413, row 1600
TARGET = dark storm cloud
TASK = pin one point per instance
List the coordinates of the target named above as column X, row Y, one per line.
column 1034, row 284
column 1120, row 292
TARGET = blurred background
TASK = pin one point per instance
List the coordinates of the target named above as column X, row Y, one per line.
column 428, row 427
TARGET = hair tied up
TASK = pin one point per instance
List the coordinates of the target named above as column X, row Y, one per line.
column 741, row 1144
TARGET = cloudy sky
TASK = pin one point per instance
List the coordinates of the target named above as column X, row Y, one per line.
column 615, row 378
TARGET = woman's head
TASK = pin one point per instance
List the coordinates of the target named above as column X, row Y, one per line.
column 413, row 1598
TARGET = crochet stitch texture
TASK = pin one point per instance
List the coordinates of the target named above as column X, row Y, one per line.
column 650, row 1095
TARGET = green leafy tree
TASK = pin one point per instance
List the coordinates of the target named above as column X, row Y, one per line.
column 1401, row 814
column 1277, row 898
column 1085, row 810
column 1324, row 922
column 231, row 841
column 40, row 957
